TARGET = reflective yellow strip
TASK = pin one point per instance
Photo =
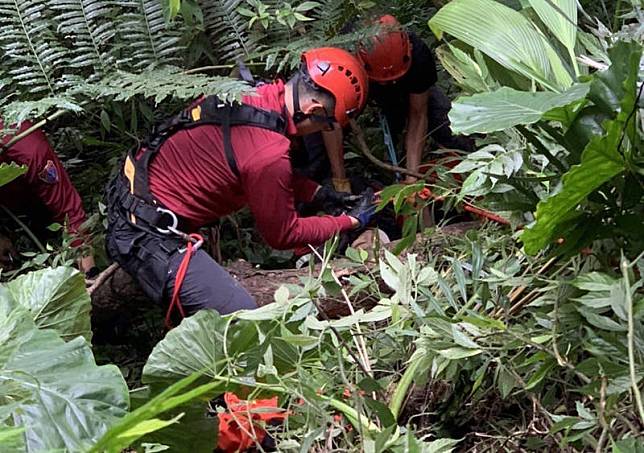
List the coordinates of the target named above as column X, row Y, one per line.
column 196, row 113
column 129, row 172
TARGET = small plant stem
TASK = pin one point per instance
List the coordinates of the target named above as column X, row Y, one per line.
column 359, row 340
column 616, row 15
column 102, row 277
column 340, row 339
column 24, row 227
column 602, row 439
column 555, row 326
column 602, row 416
column 534, row 140
column 33, row 128
column 631, row 339
column 400, row 394
column 216, row 67
column 362, row 144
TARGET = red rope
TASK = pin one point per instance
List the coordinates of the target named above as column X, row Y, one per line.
column 178, row 280
column 487, row 214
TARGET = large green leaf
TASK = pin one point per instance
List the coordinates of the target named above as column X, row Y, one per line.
column 10, row 171
column 196, row 345
column 57, row 299
column 600, row 162
column 560, row 16
column 507, row 107
column 52, row 388
column 506, row 36
column 143, row 420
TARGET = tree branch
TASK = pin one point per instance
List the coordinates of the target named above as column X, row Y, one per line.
column 33, row 128
column 102, row 277
column 365, row 150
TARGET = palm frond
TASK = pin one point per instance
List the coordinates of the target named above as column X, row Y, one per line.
column 147, row 40
column 227, row 30
column 29, row 51
column 87, row 23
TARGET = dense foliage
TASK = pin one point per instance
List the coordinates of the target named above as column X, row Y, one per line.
column 521, row 337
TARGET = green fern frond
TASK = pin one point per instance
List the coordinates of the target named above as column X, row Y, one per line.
column 227, row 30
column 88, row 25
column 162, row 84
column 30, row 53
column 17, row 112
column 288, row 56
column 147, row 40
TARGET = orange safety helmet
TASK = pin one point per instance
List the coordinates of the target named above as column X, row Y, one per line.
column 388, row 56
column 342, row 75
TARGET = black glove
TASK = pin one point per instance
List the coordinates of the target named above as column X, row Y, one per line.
column 92, row 273
column 365, row 209
column 327, row 194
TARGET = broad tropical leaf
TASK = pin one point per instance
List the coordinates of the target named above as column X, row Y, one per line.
column 9, row 172
column 144, row 420
column 506, row 36
column 52, row 388
column 560, row 16
column 57, row 300
column 600, row 161
column 507, row 107
column 196, row 345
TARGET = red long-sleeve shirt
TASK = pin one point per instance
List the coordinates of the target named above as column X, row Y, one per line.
column 190, row 176
column 46, row 181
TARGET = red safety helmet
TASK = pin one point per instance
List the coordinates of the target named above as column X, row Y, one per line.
column 388, row 56
column 342, row 75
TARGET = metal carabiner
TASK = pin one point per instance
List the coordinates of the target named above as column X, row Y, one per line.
column 175, row 222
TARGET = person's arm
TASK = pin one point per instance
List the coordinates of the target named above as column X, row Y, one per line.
column 416, row 135
column 303, row 188
column 269, row 185
column 333, row 142
column 49, row 181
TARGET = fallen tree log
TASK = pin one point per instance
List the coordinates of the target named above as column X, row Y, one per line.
column 118, row 299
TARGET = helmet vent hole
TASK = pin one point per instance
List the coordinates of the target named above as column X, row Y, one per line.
column 341, row 68
column 354, row 80
column 348, row 73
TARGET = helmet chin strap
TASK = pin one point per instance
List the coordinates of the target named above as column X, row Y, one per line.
column 299, row 115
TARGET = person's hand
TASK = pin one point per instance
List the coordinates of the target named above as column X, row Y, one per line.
column 328, row 195
column 87, row 265
column 341, row 185
column 364, row 210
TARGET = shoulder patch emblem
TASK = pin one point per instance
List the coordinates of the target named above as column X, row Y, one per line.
column 49, row 173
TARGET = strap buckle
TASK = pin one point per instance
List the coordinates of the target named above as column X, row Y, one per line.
column 173, row 226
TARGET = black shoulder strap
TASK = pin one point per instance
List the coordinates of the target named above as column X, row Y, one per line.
column 211, row 111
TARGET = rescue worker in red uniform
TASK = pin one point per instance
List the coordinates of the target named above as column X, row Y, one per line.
column 214, row 159
column 44, row 192
column 402, row 75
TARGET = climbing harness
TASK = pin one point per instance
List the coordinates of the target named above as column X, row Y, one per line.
column 132, row 192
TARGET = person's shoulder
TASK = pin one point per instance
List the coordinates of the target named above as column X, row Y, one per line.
column 422, row 74
column 421, row 53
column 27, row 148
column 259, row 148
